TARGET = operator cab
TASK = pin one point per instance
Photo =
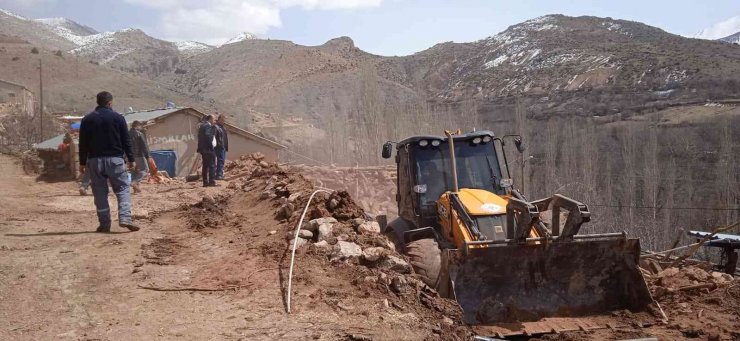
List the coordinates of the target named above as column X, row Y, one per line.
column 425, row 162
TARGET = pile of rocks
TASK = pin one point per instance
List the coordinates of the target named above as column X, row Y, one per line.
column 341, row 243
column 375, row 186
column 689, row 280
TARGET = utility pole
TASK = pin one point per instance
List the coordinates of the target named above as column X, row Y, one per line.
column 41, row 101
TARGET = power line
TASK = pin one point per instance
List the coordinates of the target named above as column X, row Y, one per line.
column 669, row 208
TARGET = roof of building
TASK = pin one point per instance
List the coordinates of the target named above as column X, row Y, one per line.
column 15, row 84
column 149, row 115
column 50, row 144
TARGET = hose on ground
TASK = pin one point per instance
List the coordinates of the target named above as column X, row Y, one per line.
column 295, row 243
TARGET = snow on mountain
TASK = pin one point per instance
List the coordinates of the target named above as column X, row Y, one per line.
column 66, row 26
column 732, row 39
column 721, row 29
column 241, row 37
column 11, row 14
column 192, row 48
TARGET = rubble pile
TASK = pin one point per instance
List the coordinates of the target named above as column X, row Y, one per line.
column 374, row 186
column 697, row 301
column 337, row 236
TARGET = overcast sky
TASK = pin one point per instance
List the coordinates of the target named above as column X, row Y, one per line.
column 386, row 27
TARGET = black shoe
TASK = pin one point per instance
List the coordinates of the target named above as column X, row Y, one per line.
column 129, row 225
column 220, row 178
column 102, row 229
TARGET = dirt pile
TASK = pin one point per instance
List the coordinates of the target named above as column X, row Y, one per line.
column 375, row 187
column 344, row 263
column 698, row 302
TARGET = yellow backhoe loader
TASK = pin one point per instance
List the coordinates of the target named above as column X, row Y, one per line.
column 475, row 238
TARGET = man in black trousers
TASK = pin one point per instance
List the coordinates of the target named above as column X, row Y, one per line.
column 207, row 150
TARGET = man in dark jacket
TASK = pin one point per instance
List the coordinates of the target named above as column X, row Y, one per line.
column 222, row 145
column 207, row 150
column 104, row 142
column 141, row 154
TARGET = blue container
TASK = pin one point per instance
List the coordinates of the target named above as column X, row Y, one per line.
column 166, row 160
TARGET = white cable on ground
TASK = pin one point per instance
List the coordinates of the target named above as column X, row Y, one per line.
column 295, row 243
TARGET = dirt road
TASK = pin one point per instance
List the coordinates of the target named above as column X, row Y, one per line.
column 59, row 280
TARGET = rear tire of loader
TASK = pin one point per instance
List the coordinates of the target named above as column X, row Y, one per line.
column 425, row 256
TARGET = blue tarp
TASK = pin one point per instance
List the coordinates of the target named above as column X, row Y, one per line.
column 166, row 160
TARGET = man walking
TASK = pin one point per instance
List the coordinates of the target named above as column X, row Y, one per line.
column 104, row 142
column 222, row 145
column 141, row 155
column 207, row 150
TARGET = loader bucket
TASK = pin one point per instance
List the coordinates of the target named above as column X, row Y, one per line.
column 521, row 283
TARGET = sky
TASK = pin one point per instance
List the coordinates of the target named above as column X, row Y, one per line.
column 384, row 27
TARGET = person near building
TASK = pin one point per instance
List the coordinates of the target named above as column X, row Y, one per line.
column 207, row 149
column 222, row 145
column 141, row 154
column 105, row 148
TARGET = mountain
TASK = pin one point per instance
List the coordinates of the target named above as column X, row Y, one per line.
column 36, row 33
column 732, row 39
column 583, row 65
column 721, row 29
column 129, row 50
column 241, row 37
column 70, row 83
column 280, row 76
column 65, row 26
column 192, row 48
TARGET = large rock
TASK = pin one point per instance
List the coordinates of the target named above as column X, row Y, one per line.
column 300, row 243
column 373, row 254
column 396, row 264
column 369, row 227
column 325, row 231
column 345, row 250
column 313, row 225
column 322, row 245
column 294, row 196
column 303, row 233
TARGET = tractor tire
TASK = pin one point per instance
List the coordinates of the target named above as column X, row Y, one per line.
column 426, row 258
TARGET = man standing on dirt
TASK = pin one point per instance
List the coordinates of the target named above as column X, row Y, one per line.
column 104, row 140
column 207, row 149
column 222, row 145
column 141, row 154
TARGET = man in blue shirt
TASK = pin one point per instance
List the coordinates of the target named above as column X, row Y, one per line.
column 104, row 142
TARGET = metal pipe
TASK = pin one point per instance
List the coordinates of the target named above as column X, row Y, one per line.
column 451, row 142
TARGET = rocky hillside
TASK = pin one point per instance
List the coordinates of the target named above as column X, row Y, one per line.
column 570, row 61
column 733, row 39
column 557, row 55
column 70, row 83
column 129, row 50
column 280, row 76
column 64, row 26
